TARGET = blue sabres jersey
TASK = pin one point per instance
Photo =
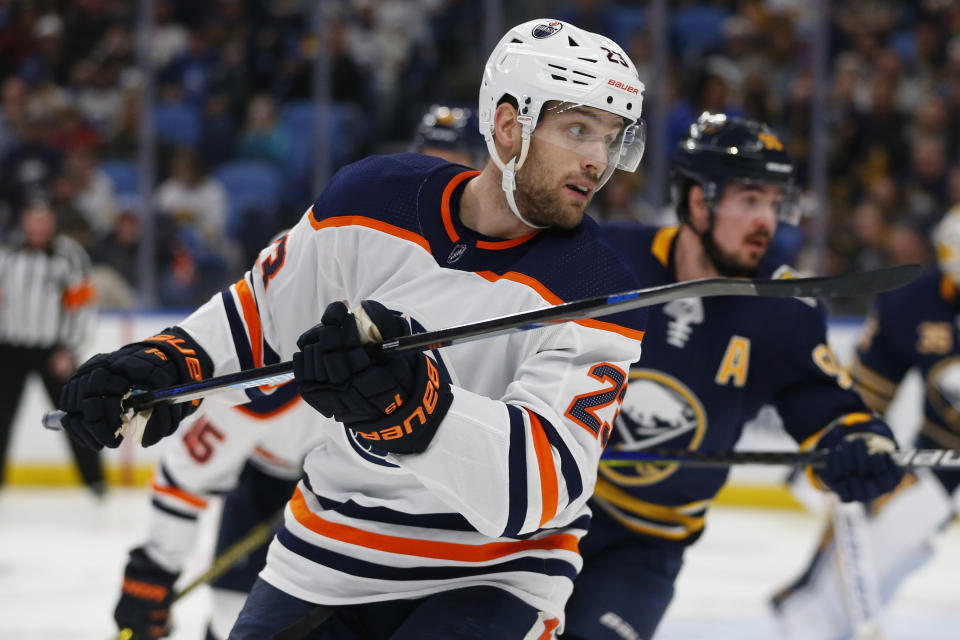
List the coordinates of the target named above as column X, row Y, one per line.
column 708, row 366
column 915, row 327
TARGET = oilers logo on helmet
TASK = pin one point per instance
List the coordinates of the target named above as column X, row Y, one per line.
column 546, row 30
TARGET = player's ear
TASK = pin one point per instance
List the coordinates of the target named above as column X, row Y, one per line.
column 697, row 204
column 506, row 131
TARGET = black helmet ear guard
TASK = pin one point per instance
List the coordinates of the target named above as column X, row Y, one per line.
column 721, row 151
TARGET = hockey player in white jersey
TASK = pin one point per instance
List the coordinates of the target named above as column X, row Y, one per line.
column 449, row 500
column 236, row 452
column 250, row 454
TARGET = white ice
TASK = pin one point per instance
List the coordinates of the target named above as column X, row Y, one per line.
column 62, row 554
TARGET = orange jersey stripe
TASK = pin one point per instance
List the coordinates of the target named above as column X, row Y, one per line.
column 289, row 404
column 423, row 548
column 553, row 298
column 549, row 493
column 506, row 244
column 180, row 494
column 549, row 626
column 445, row 203
column 252, row 317
column 371, row 223
column 79, row 295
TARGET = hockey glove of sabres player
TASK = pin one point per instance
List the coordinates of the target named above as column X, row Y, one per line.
column 146, row 596
column 859, row 466
column 92, row 396
column 395, row 403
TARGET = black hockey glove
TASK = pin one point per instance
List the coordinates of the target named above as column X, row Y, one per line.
column 145, row 598
column 859, row 466
column 395, row 403
column 91, row 398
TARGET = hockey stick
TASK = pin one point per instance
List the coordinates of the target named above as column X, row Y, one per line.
column 857, row 574
column 258, row 536
column 937, row 459
column 849, row 284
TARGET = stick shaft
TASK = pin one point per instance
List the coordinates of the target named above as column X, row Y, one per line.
column 937, row 459
column 860, row 283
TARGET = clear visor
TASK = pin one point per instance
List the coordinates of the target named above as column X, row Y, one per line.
column 788, row 210
column 600, row 137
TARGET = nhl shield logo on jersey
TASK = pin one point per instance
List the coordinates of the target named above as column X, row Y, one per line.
column 546, row 30
column 458, row 250
column 658, row 411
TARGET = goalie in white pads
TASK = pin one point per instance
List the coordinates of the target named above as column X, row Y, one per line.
column 452, row 503
column 912, row 328
column 252, row 455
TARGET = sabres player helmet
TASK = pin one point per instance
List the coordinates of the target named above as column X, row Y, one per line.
column 449, row 132
column 722, row 150
column 946, row 240
column 546, row 64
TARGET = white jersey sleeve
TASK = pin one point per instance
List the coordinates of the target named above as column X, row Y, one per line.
column 206, row 458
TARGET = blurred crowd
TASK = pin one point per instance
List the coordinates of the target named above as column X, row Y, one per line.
column 234, row 119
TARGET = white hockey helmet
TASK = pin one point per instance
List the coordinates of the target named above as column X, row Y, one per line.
column 946, row 240
column 550, row 60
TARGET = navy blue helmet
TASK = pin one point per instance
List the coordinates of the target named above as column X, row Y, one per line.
column 722, row 150
column 449, row 128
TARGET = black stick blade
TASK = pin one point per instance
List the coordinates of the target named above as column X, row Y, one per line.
column 863, row 283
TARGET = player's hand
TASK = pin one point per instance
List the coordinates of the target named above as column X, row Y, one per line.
column 92, row 396
column 145, row 599
column 396, row 403
column 859, row 466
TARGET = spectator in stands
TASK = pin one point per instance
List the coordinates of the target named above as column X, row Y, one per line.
column 13, row 110
column 95, row 197
column 71, row 131
column 122, row 140
column 170, row 38
column 262, row 138
column 27, row 169
column 115, row 256
column 191, row 197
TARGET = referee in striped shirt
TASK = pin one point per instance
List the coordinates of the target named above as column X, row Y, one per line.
column 46, row 312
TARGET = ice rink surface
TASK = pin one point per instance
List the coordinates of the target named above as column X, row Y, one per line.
column 62, row 553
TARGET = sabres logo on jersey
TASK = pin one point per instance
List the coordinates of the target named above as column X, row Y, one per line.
column 658, row 411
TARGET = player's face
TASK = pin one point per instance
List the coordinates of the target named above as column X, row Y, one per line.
column 568, row 154
column 744, row 222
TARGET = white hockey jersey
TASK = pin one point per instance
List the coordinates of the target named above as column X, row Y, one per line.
column 499, row 496
column 274, row 433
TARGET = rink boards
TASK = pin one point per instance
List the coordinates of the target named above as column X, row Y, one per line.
column 39, row 457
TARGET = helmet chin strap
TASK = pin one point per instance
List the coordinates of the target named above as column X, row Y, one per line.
column 509, row 170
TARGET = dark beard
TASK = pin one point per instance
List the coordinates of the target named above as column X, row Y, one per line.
column 725, row 264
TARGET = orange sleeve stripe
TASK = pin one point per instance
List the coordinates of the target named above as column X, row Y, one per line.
column 445, row 203
column 144, row 590
column 549, row 494
column 179, row 494
column 79, row 295
column 552, row 298
column 433, row 549
column 252, row 318
column 370, row 223
column 549, row 626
